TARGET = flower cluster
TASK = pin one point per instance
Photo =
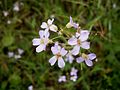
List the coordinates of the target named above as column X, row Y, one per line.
column 70, row 50
column 16, row 55
column 73, row 76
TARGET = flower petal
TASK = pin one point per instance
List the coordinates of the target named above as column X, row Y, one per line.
column 71, row 21
column 92, row 56
column 44, row 25
column 73, row 78
column 36, row 41
column 63, row 52
column 47, row 34
column 40, row 48
column 54, row 49
column 72, row 41
column 41, row 33
column 75, row 25
column 75, row 50
column 50, row 21
column 61, row 62
column 69, row 58
column 85, row 45
column 53, row 28
column 52, row 60
column 79, row 59
column 84, row 35
column 62, row 79
column 89, row 62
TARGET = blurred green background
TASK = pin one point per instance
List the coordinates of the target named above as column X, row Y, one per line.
column 18, row 28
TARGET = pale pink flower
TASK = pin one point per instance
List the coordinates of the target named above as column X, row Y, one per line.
column 49, row 26
column 20, row 51
column 73, row 71
column 72, row 24
column 30, row 87
column 69, row 56
column 78, row 42
column 58, row 55
column 42, row 41
column 62, row 79
column 87, row 58
column 10, row 54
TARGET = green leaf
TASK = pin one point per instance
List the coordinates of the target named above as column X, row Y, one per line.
column 7, row 40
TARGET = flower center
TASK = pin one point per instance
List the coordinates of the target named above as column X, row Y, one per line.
column 78, row 42
column 85, row 56
column 42, row 41
column 58, row 55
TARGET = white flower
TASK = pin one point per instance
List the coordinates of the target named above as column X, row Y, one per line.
column 62, row 79
column 69, row 56
column 5, row 13
column 17, row 56
column 10, row 54
column 79, row 41
column 58, row 54
column 72, row 24
column 30, row 87
column 87, row 58
column 49, row 26
column 8, row 22
column 73, row 78
column 73, row 71
column 42, row 41
column 20, row 51
column 16, row 7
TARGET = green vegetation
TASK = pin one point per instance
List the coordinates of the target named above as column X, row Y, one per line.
column 99, row 16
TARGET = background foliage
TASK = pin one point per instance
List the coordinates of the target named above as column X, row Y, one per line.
column 99, row 16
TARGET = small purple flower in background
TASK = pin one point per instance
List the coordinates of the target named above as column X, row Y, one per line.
column 73, row 72
column 74, row 78
column 58, row 54
column 16, row 56
column 16, row 7
column 10, row 54
column 5, row 13
column 72, row 24
column 30, row 87
column 42, row 41
column 87, row 58
column 62, row 79
column 79, row 42
column 49, row 26
column 20, row 51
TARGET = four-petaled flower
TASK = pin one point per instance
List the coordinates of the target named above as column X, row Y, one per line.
column 62, row 79
column 42, row 41
column 73, row 71
column 49, row 26
column 87, row 58
column 72, row 24
column 80, row 41
column 58, row 54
